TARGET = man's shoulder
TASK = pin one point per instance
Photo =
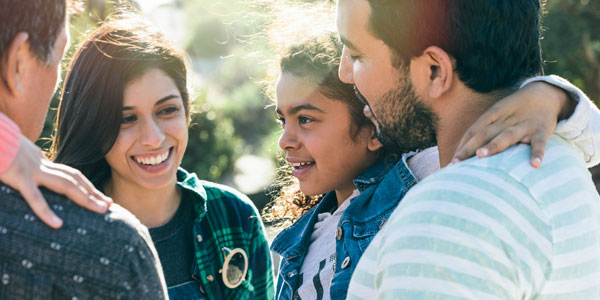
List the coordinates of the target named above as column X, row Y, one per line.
column 506, row 182
column 559, row 156
column 513, row 166
column 116, row 224
column 92, row 255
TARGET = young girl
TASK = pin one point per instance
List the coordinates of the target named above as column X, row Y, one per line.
column 123, row 121
column 332, row 149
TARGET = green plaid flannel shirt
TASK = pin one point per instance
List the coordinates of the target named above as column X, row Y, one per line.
column 225, row 217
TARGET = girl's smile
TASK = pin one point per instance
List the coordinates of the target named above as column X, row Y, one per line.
column 300, row 167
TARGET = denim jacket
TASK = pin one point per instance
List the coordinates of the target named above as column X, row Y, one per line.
column 381, row 190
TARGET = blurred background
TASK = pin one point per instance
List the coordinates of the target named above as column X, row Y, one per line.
column 234, row 135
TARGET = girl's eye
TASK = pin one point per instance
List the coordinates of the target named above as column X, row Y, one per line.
column 304, row 120
column 281, row 121
column 169, row 110
column 128, row 119
column 355, row 57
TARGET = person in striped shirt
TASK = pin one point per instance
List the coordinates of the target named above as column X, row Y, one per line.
column 490, row 228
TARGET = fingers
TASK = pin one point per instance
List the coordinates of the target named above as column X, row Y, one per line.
column 81, row 180
column 538, row 146
column 506, row 138
column 71, row 183
column 38, row 205
column 496, row 140
column 474, row 139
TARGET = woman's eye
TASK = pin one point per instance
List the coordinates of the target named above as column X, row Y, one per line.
column 169, row 110
column 128, row 119
column 355, row 57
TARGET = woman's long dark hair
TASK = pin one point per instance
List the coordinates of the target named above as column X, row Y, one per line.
column 90, row 112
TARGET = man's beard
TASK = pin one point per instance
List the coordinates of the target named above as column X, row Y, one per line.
column 404, row 122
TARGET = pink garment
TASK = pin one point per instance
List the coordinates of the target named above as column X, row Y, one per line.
column 9, row 142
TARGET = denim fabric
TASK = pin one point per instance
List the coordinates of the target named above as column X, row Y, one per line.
column 382, row 187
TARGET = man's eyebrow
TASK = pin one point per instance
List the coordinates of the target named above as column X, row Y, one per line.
column 347, row 43
column 298, row 108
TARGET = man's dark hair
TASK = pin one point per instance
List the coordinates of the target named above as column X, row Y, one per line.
column 495, row 42
column 41, row 19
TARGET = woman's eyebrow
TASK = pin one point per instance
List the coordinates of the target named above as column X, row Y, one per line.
column 160, row 101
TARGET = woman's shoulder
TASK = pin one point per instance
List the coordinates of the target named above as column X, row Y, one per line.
column 217, row 191
column 219, row 196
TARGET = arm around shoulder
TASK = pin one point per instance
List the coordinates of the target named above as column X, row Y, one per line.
column 581, row 128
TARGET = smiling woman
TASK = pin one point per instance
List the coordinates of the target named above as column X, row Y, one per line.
column 123, row 121
column 151, row 142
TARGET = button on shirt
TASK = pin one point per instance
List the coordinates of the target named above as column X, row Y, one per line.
column 319, row 265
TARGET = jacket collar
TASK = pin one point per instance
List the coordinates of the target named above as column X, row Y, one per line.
column 392, row 179
column 190, row 183
column 295, row 239
column 375, row 173
column 385, row 196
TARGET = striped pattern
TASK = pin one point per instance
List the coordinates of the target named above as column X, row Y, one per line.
column 491, row 228
column 9, row 142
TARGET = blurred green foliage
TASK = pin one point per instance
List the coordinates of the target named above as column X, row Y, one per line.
column 571, row 42
column 227, row 45
column 571, row 47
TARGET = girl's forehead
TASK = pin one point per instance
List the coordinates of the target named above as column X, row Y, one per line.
column 293, row 91
column 292, row 86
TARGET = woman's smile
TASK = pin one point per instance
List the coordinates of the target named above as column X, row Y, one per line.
column 154, row 163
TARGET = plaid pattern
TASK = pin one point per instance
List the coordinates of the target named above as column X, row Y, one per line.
column 226, row 218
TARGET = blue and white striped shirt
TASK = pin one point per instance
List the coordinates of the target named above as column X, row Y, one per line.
column 492, row 228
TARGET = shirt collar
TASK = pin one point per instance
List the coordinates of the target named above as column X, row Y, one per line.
column 376, row 172
column 190, row 183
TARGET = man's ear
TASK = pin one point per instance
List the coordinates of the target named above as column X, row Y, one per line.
column 373, row 144
column 16, row 58
column 440, row 68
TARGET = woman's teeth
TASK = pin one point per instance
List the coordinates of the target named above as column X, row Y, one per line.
column 152, row 160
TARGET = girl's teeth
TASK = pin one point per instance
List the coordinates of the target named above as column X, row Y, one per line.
column 301, row 164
